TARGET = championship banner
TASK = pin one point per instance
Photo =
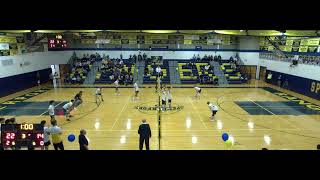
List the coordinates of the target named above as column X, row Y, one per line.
column 162, row 36
column 296, row 42
column 5, row 39
column 303, row 49
column 132, row 41
column 289, row 42
column 210, row 41
column 226, row 40
column 270, row 48
column 187, row 41
column 115, row 41
column 288, row 48
column 313, row 42
column 295, row 49
column 304, row 42
column 312, row 49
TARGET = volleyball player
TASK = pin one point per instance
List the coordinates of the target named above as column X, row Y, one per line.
column 164, row 99
column 67, row 108
column 99, row 95
column 51, row 109
column 136, row 89
column 46, row 135
column 198, row 91
column 116, row 83
column 169, row 97
column 214, row 110
column 78, row 99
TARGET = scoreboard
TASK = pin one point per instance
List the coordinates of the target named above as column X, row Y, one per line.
column 57, row 42
column 22, row 135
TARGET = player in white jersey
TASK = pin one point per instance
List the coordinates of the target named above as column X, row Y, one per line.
column 51, row 109
column 214, row 110
column 136, row 89
column 99, row 95
column 116, row 83
column 169, row 97
column 198, row 91
column 67, row 108
column 164, row 99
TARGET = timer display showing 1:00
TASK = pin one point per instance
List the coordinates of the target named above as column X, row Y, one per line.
column 22, row 135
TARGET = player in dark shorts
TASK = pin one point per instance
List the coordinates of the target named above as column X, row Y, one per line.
column 164, row 99
column 169, row 97
column 78, row 99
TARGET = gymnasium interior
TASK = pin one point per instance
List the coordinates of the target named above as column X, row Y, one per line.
column 265, row 83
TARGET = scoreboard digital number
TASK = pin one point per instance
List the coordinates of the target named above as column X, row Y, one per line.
column 22, row 135
column 57, row 42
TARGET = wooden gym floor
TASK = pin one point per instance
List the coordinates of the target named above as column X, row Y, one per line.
column 255, row 117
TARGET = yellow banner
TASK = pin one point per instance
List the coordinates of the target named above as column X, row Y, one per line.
column 312, row 48
column 5, row 39
column 304, row 42
column 226, row 40
column 132, row 41
column 289, row 42
column 303, row 49
column 313, row 42
column 187, row 41
column 270, row 48
column 288, row 48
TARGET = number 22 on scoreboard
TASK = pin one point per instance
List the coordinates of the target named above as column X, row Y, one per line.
column 10, row 135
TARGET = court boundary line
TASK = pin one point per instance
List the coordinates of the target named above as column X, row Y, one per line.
column 263, row 108
column 123, row 108
column 54, row 106
column 197, row 112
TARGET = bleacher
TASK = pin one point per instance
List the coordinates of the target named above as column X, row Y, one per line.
column 150, row 77
column 191, row 74
column 103, row 76
column 233, row 76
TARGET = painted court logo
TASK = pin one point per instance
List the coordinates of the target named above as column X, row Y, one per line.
column 153, row 107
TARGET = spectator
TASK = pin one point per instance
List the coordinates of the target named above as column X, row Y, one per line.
column 198, row 58
column 144, row 56
column 145, row 133
column 56, row 132
column 158, row 70
column 46, row 135
column 231, row 59
column 215, row 58
column 318, row 147
column 219, row 57
column 83, row 141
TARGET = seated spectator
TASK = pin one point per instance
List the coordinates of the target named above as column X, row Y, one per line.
column 231, row 59
column 219, row 57
column 144, row 56
column 207, row 67
column 198, row 58
column 215, row 58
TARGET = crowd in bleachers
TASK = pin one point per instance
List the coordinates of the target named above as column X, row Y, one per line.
column 302, row 59
column 197, row 58
column 81, row 67
column 116, row 68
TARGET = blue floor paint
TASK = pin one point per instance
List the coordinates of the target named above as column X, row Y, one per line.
column 276, row 107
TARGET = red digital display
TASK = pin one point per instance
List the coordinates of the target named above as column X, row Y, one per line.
column 58, row 42
column 22, row 135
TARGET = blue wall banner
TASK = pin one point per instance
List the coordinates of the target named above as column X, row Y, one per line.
column 307, row 87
